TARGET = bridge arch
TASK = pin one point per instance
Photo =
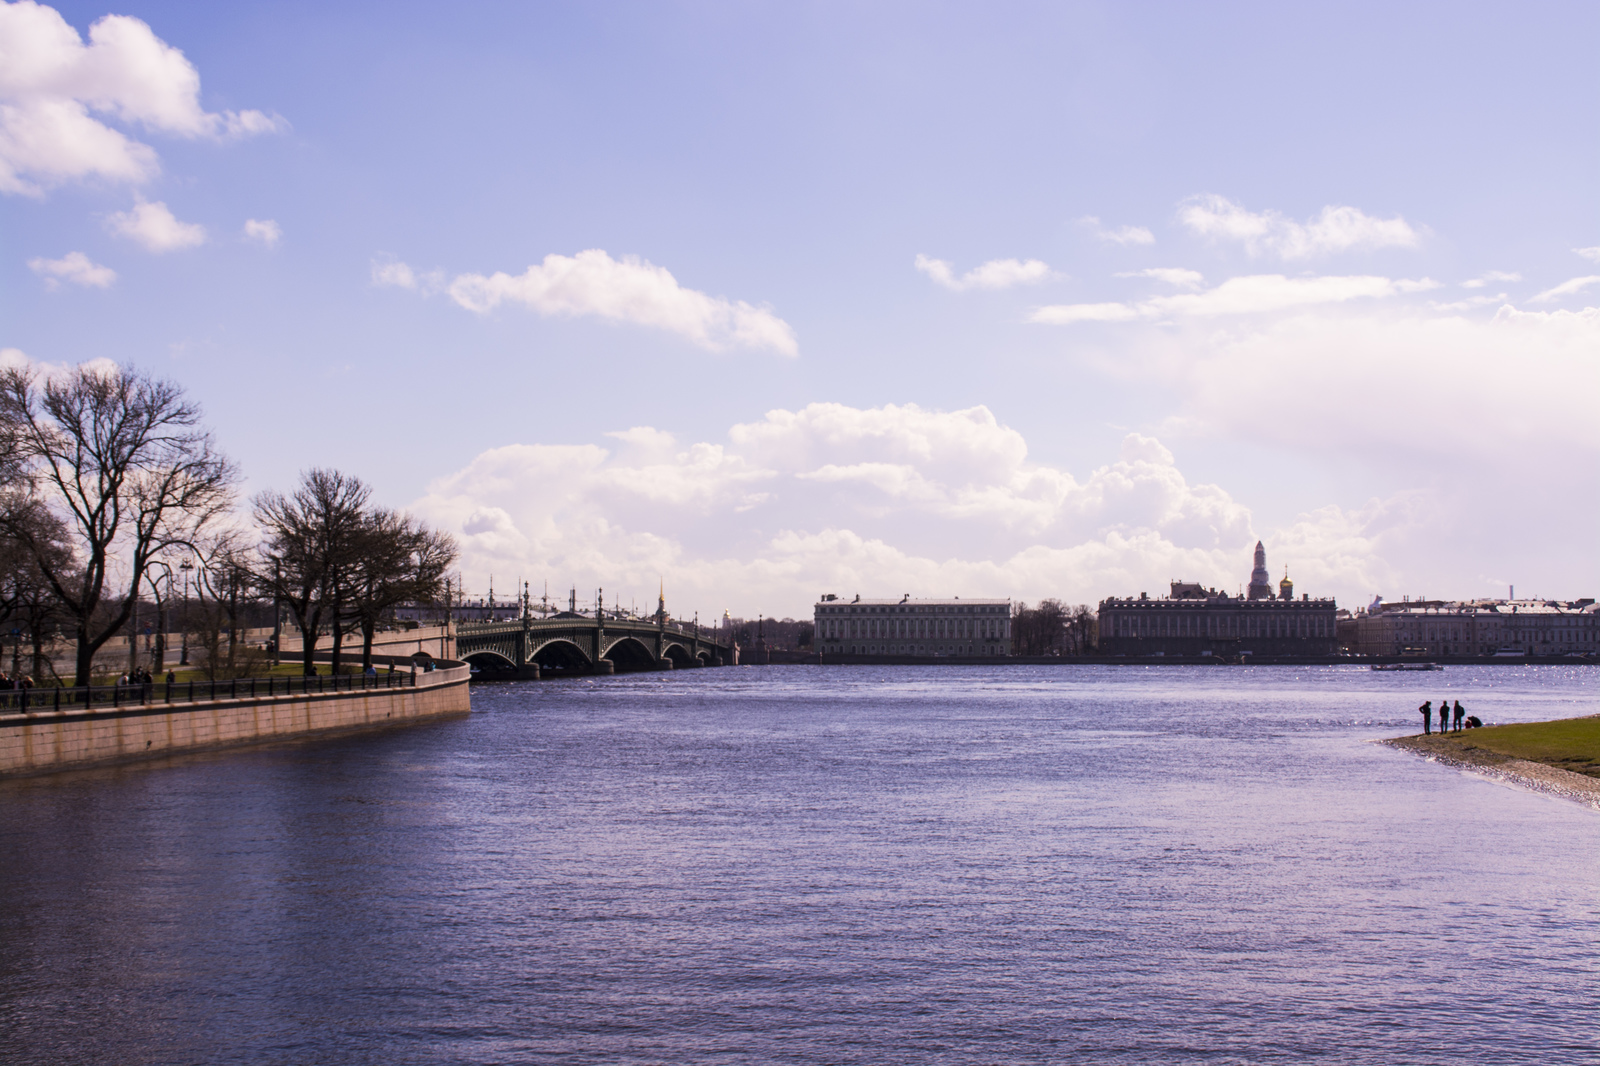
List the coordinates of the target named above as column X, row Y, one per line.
column 679, row 655
column 562, row 657
column 630, row 653
column 491, row 660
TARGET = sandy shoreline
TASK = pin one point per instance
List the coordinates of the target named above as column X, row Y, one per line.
column 1534, row 776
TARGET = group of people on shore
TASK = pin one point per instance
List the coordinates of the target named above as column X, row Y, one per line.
column 1426, row 710
column 7, row 682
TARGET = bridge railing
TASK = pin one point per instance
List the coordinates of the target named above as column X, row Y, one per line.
column 97, row 697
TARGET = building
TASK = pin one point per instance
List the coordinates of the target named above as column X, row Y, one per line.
column 1473, row 628
column 1193, row 621
column 922, row 628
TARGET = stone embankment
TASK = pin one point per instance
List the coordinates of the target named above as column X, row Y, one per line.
column 47, row 741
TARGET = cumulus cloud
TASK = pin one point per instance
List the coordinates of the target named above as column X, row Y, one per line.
column 1124, row 235
column 1336, row 229
column 1176, row 276
column 1401, row 385
column 995, row 274
column 58, row 94
column 879, row 500
column 1491, row 276
column 74, row 267
column 623, row 290
column 266, row 231
column 154, row 226
column 1566, row 288
column 1253, row 294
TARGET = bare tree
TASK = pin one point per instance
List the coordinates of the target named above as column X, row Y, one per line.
column 400, row 560
column 225, row 580
column 26, row 600
column 1038, row 630
column 120, row 458
column 311, row 546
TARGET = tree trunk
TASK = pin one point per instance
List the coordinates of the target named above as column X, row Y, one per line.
column 85, row 653
column 368, row 628
column 308, row 637
column 338, row 641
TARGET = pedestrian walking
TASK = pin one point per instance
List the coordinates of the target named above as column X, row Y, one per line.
column 1426, row 710
column 1460, row 714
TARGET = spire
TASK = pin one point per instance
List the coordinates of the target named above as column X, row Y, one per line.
column 1260, row 582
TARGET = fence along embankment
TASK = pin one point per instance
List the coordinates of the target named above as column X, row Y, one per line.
column 76, row 728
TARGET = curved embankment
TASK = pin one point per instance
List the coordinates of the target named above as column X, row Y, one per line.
column 41, row 741
column 1561, row 758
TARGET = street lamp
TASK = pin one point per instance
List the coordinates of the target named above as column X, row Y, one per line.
column 186, row 566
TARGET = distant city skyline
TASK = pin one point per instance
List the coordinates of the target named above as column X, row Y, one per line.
column 1044, row 301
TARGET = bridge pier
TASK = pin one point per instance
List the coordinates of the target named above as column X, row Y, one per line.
column 605, row 667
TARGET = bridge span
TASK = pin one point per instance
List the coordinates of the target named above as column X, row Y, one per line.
column 569, row 644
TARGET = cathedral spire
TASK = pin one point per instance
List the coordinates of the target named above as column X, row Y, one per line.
column 1260, row 581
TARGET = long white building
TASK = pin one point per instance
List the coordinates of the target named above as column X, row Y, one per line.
column 1474, row 628
column 926, row 628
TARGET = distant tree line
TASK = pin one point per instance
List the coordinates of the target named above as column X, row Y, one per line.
column 113, row 495
column 1053, row 628
column 784, row 634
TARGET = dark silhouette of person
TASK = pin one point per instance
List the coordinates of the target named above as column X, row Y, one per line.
column 1474, row 722
column 1426, row 710
column 1444, row 716
column 1460, row 714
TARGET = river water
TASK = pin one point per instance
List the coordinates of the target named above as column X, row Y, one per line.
column 824, row 865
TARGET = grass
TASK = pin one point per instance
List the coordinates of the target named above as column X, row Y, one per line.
column 1568, row 743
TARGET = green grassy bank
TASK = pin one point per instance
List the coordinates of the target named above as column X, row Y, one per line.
column 1568, row 743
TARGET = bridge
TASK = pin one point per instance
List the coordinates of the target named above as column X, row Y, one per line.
column 570, row 643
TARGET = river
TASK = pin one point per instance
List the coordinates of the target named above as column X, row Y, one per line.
column 797, row 864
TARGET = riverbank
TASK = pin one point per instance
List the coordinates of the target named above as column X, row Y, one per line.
column 43, row 739
column 1561, row 758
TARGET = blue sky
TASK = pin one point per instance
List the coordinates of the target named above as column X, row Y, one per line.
column 1313, row 274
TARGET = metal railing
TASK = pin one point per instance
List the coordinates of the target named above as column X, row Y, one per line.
column 100, row 697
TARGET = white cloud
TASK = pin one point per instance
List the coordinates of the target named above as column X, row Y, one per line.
column 623, row 290
column 1591, row 254
column 882, row 501
column 1066, row 314
column 1444, row 392
column 266, row 231
column 1469, row 303
column 1124, row 235
column 1176, row 276
column 1566, row 288
column 1493, row 275
column 1252, row 294
column 995, row 274
column 74, row 267
column 154, row 226
column 56, row 95
column 1336, row 229
column 394, row 274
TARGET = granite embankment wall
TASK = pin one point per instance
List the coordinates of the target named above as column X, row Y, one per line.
column 48, row 741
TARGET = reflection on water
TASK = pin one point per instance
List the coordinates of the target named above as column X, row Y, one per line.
column 823, row 865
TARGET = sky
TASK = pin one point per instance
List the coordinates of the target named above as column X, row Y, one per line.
column 760, row 302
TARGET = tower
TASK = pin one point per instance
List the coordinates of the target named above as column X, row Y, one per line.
column 1260, row 583
column 1286, row 587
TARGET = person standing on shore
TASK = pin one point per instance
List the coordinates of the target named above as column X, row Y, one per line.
column 1426, row 710
column 1444, row 716
column 1460, row 714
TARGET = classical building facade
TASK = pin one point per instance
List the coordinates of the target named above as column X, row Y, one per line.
column 1200, row 622
column 925, row 628
column 1444, row 628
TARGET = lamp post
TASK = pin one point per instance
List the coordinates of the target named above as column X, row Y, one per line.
column 186, row 566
